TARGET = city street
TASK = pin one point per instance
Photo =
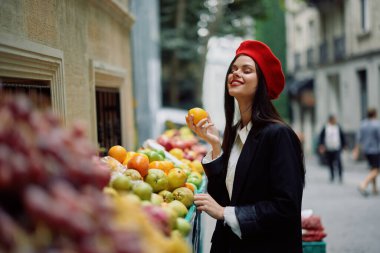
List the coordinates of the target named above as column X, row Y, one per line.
column 352, row 222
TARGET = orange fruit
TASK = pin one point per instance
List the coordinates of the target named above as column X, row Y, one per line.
column 196, row 174
column 118, row 152
column 169, row 165
column 139, row 162
column 191, row 186
column 162, row 165
column 198, row 114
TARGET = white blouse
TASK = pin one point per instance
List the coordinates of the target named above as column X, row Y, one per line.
column 229, row 211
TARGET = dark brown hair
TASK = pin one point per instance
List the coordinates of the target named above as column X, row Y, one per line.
column 263, row 114
column 371, row 113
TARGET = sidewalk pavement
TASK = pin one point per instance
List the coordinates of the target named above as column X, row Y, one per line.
column 351, row 221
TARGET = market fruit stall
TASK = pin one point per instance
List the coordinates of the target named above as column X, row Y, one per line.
column 57, row 194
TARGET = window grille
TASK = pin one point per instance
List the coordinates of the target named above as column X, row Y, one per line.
column 108, row 117
column 37, row 90
column 323, row 53
column 339, row 48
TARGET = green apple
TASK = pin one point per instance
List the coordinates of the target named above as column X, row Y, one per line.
column 154, row 156
column 110, row 191
column 183, row 226
column 157, row 179
column 167, row 196
column 131, row 198
column 161, row 152
column 146, row 203
column 156, row 199
column 194, row 180
column 185, row 195
column 133, row 174
column 179, row 208
column 121, row 183
column 195, row 174
column 143, row 190
column 176, row 234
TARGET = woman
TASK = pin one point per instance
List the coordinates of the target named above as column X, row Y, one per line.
column 368, row 139
column 256, row 176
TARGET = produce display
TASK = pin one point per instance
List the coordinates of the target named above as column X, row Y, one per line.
column 182, row 144
column 164, row 180
column 312, row 228
column 57, row 195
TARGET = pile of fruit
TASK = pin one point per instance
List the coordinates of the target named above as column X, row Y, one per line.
column 54, row 194
column 163, row 183
column 182, row 142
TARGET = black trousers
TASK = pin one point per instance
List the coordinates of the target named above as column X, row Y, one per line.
column 334, row 162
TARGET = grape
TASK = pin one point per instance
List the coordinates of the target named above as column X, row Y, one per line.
column 51, row 183
column 159, row 218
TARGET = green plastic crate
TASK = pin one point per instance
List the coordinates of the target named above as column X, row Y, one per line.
column 314, row 247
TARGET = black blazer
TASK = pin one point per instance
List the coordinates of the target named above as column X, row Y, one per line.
column 267, row 194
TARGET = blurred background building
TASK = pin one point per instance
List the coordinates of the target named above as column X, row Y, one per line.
column 219, row 55
column 146, row 60
column 74, row 56
column 221, row 51
column 333, row 55
column 126, row 66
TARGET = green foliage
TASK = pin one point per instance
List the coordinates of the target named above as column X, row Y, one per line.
column 183, row 45
column 272, row 32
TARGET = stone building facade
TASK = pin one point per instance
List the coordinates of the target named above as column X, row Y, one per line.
column 81, row 50
column 333, row 53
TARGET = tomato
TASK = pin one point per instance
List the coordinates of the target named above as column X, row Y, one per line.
column 129, row 155
column 139, row 162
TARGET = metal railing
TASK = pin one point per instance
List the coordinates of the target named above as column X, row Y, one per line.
column 323, row 53
column 37, row 91
column 297, row 61
column 310, row 57
column 339, row 48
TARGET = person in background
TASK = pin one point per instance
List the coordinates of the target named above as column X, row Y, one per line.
column 368, row 141
column 331, row 143
column 256, row 175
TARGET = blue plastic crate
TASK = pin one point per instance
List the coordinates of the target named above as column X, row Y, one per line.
column 191, row 212
column 314, row 247
column 195, row 238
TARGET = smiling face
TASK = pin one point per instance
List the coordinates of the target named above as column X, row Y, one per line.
column 242, row 80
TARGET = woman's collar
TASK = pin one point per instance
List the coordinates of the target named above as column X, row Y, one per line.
column 244, row 131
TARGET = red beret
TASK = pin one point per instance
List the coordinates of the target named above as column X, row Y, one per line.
column 269, row 64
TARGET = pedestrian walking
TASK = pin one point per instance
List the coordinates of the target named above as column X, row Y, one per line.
column 368, row 141
column 256, row 176
column 331, row 144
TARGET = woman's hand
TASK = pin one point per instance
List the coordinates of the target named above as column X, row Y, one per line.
column 205, row 129
column 205, row 202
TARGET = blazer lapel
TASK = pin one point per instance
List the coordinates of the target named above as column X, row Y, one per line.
column 242, row 166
